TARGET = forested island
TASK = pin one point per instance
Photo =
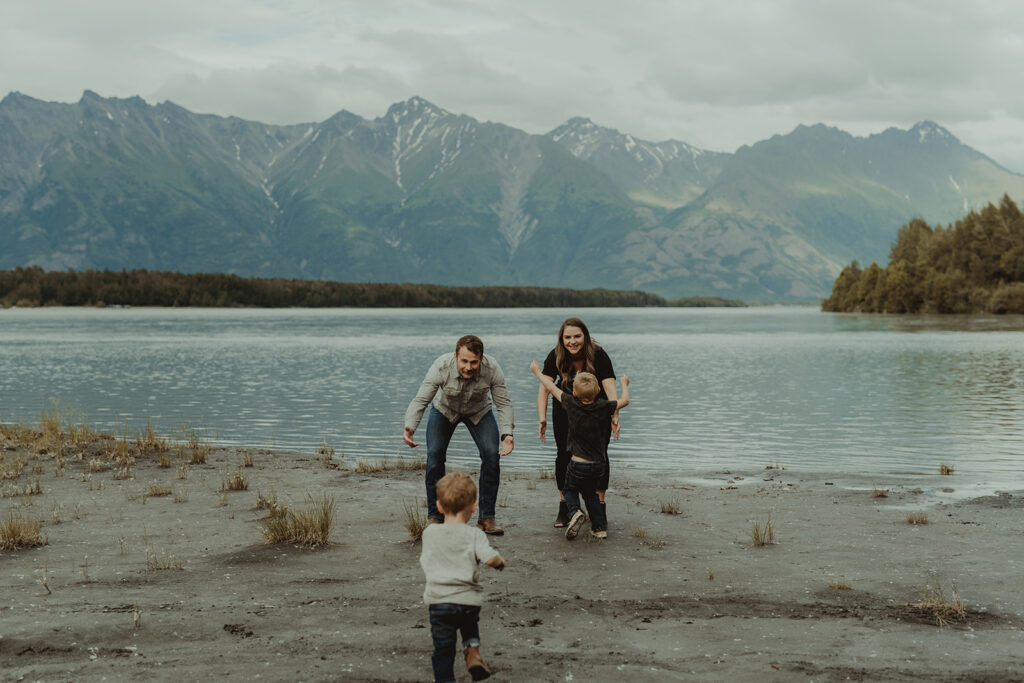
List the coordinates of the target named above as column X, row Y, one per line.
column 973, row 266
column 27, row 287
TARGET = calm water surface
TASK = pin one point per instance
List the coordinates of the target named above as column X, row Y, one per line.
column 712, row 388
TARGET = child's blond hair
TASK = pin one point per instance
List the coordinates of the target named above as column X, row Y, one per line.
column 456, row 492
column 585, row 386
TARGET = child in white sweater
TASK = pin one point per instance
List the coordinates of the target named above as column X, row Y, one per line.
column 452, row 553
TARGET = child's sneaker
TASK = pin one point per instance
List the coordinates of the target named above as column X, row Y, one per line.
column 574, row 525
column 599, row 534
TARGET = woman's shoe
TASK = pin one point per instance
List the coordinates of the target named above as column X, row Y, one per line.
column 563, row 516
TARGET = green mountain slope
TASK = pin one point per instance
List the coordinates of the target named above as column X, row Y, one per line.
column 784, row 215
column 424, row 195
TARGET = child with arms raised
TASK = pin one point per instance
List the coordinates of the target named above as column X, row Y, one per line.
column 587, row 418
column 452, row 553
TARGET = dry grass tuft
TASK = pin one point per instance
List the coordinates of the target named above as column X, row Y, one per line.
column 326, row 454
column 917, row 518
column 180, row 496
column 545, row 473
column 119, row 451
column 839, row 585
column 248, row 459
column 98, row 465
column 945, row 469
column 415, row 520
column 944, row 610
column 43, row 578
column 158, row 562
column 33, row 488
column 148, row 442
column 650, row 541
column 309, row 527
column 880, row 493
column 155, row 490
column 19, row 531
column 670, row 507
column 384, row 464
column 199, row 451
column 10, row 470
column 266, row 501
column 234, row 482
column 762, row 533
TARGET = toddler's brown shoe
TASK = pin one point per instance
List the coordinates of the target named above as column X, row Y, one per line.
column 478, row 671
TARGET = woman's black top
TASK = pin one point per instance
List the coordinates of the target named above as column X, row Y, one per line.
column 602, row 370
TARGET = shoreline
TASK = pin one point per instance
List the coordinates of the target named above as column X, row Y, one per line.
column 677, row 592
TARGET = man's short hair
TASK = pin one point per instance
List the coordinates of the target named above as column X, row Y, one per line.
column 471, row 342
column 455, row 492
column 585, row 386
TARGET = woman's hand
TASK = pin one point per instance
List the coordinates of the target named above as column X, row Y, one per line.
column 542, row 429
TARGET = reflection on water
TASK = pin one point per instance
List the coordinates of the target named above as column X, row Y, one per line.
column 712, row 387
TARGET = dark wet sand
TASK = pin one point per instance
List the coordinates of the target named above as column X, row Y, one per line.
column 667, row 597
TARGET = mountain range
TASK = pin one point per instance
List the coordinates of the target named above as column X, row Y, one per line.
column 424, row 195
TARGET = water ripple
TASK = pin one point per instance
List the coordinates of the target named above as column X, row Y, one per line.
column 712, row 388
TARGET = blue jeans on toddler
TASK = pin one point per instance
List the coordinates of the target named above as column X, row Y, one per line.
column 446, row 618
column 485, row 436
column 582, row 479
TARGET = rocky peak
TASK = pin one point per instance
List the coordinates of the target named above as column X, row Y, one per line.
column 414, row 108
column 929, row 131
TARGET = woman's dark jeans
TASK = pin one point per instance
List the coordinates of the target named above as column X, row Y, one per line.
column 447, row 618
column 582, row 479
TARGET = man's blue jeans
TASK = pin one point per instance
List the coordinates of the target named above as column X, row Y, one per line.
column 485, row 435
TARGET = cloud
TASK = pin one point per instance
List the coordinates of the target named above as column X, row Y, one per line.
column 284, row 93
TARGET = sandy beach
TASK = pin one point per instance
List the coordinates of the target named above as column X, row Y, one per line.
column 132, row 586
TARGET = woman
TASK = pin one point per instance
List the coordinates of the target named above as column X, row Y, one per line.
column 574, row 352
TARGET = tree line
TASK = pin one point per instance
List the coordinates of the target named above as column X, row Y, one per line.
column 975, row 265
column 33, row 286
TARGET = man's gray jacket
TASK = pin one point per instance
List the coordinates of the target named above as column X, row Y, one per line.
column 460, row 399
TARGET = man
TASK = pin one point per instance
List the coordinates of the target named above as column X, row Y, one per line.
column 459, row 387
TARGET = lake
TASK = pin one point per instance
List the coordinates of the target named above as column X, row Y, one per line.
column 712, row 388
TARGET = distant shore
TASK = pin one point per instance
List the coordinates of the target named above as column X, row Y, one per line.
column 32, row 287
column 158, row 569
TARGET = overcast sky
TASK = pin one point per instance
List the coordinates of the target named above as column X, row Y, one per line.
column 714, row 74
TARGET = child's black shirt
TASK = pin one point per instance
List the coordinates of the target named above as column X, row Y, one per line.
column 588, row 426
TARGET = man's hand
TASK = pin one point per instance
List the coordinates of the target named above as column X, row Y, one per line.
column 506, row 446
column 615, row 425
column 407, row 438
column 542, row 430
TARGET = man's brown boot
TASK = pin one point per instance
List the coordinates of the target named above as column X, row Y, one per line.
column 489, row 526
column 478, row 671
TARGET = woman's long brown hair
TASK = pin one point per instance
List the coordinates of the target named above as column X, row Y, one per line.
column 563, row 359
